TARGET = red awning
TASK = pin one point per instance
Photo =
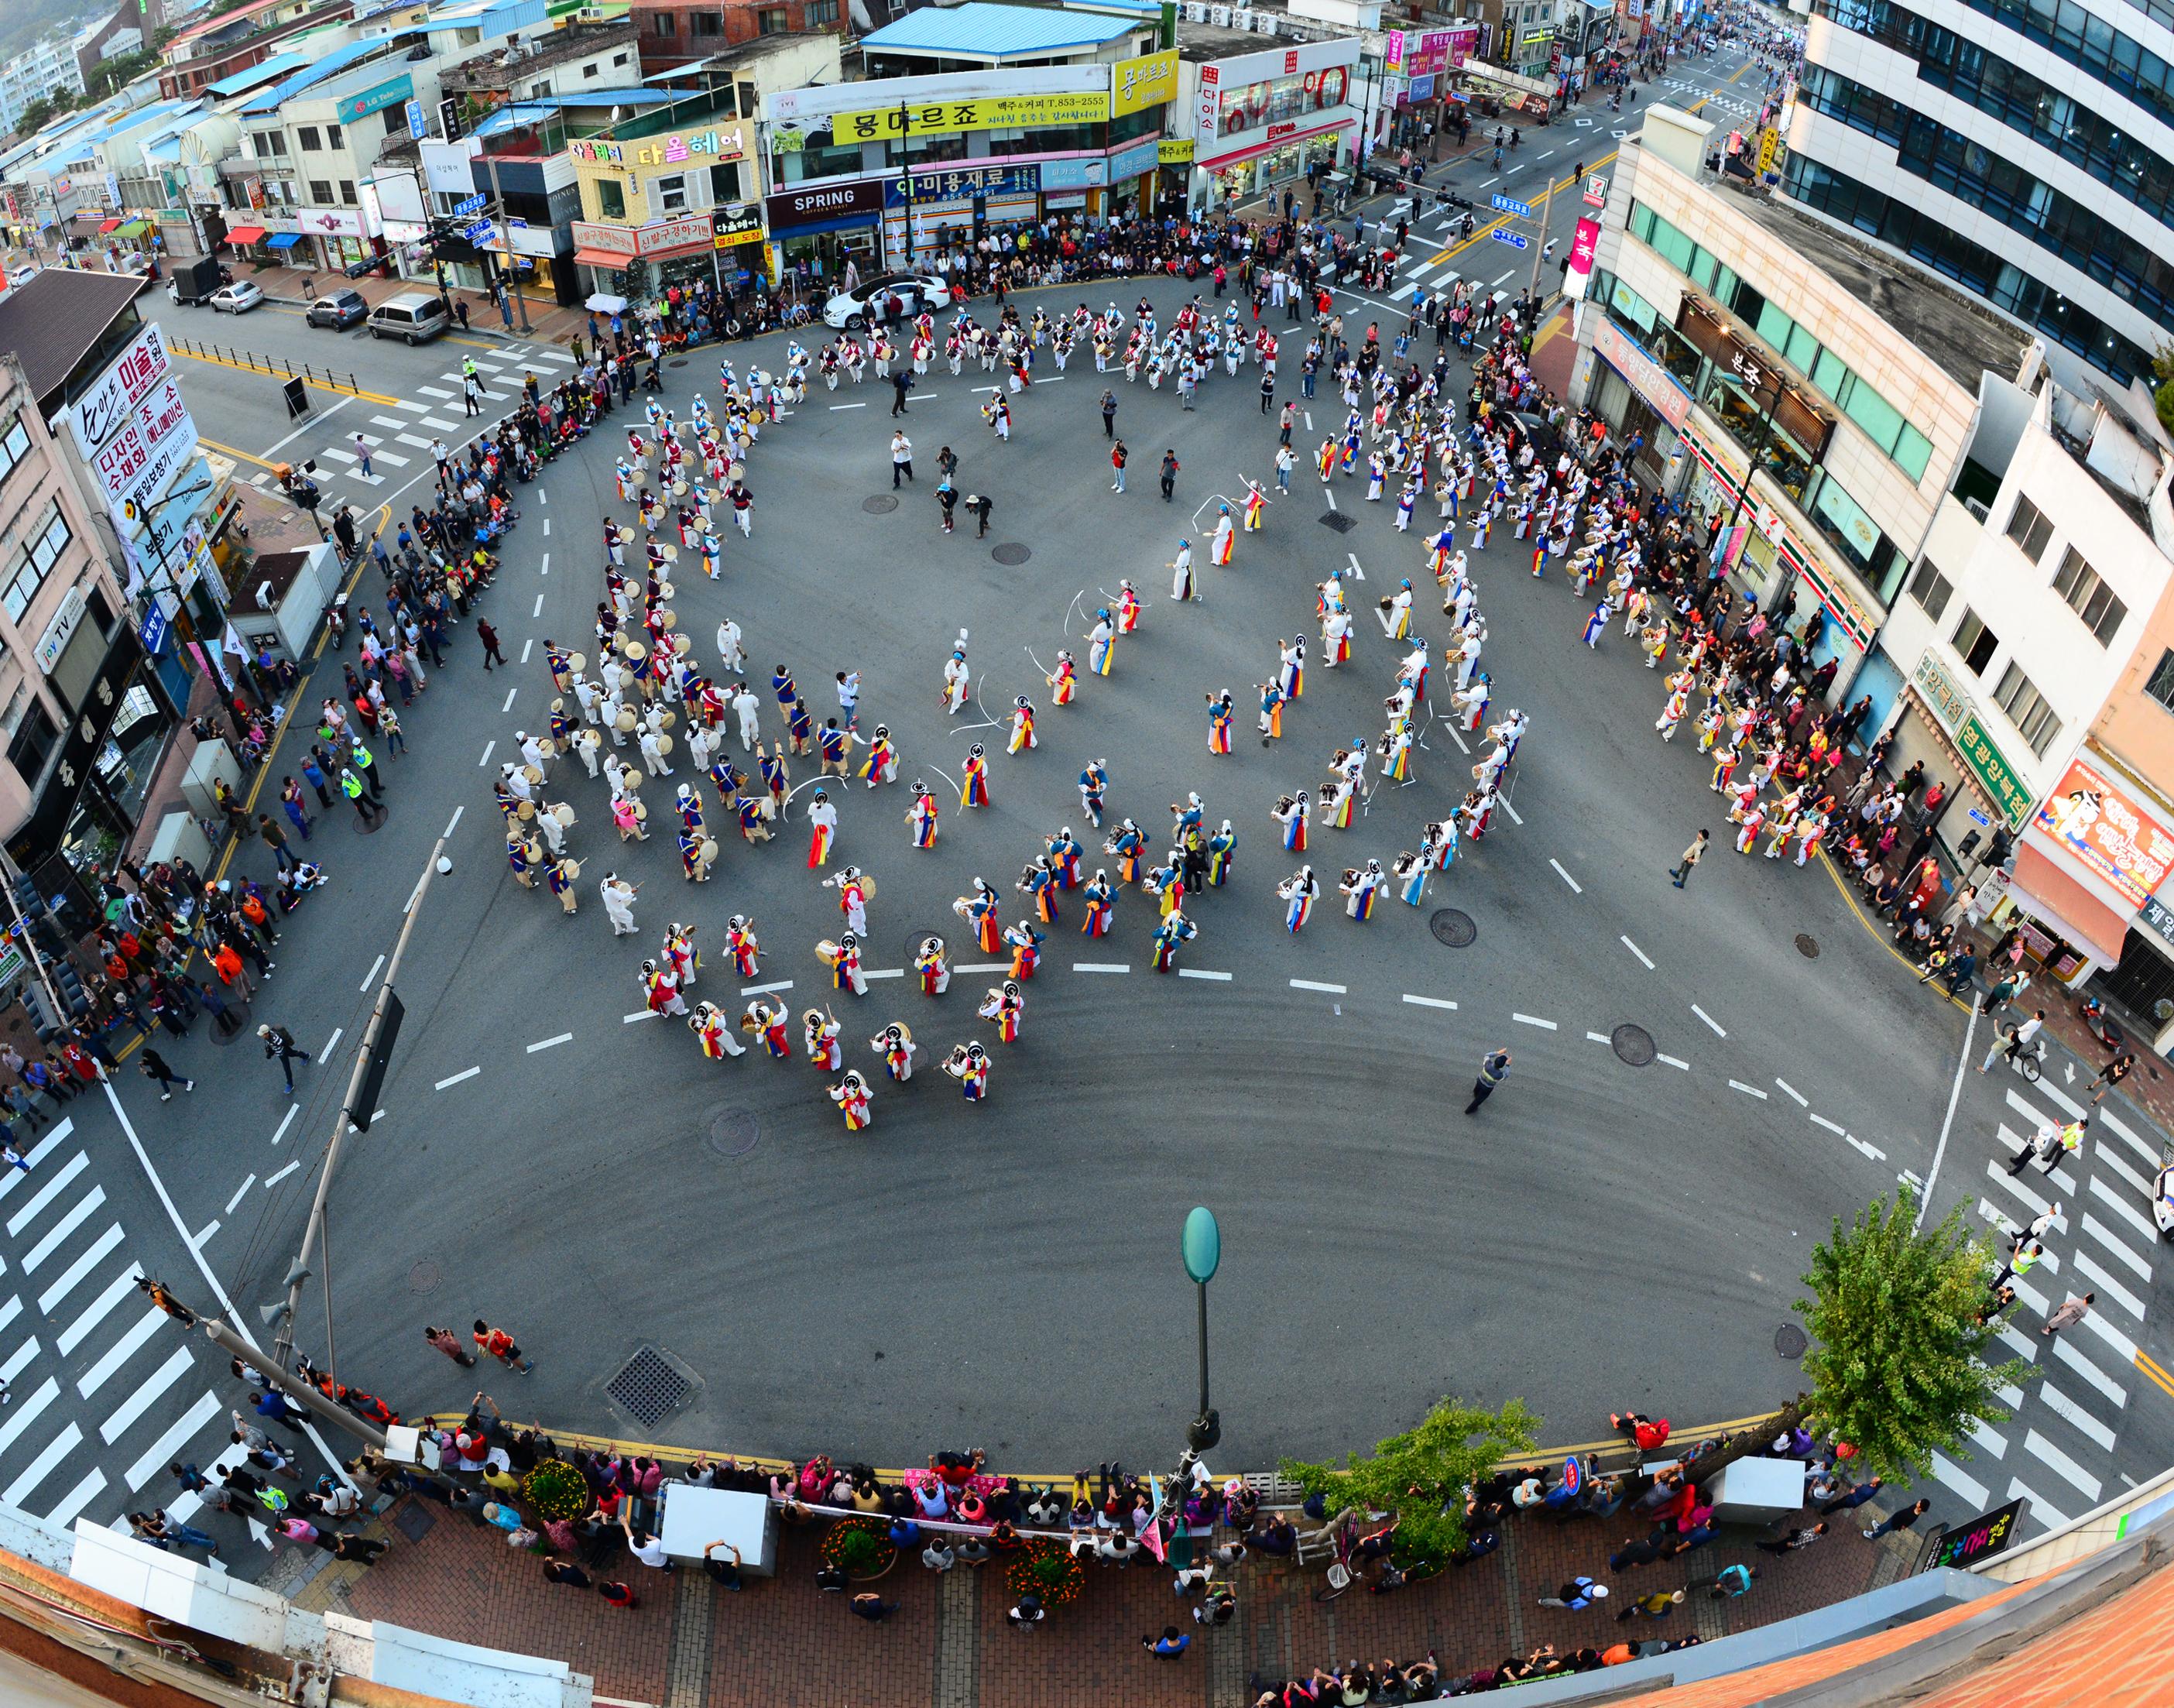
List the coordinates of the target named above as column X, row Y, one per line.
column 107, row 226
column 244, row 233
column 603, row 258
column 2043, row 888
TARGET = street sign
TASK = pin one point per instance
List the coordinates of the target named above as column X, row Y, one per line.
column 1516, row 240
column 477, row 232
column 473, row 204
column 418, row 127
column 153, row 630
column 1596, row 190
column 516, row 223
column 1510, row 204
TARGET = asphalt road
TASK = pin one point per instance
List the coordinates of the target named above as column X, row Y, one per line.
column 1007, row 1275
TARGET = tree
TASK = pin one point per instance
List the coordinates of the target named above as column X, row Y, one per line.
column 2162, row 394
column 1898, row 1361
column 1422, row 1474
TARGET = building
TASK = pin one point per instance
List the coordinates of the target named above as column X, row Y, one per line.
column 85, row 726
column 1852, row 390
column 675, row 33
column 2025, row 151
column 215, row 49
column 1260, row 118
column 47, row 67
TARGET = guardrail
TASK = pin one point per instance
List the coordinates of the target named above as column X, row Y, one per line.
column 278, row 367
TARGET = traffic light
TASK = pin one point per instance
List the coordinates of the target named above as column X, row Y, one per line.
column 35, row 1006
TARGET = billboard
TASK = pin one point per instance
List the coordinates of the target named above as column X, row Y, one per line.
column 2100, row 826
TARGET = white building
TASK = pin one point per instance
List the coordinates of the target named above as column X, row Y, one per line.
column 46, row 67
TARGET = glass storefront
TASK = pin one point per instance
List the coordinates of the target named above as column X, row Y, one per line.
column 819, row 257
column 1243, row 179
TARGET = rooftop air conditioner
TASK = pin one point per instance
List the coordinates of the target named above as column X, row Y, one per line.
column 1197, row 10
column 1243, row 18
column 1219, row 16
column 1264, row 24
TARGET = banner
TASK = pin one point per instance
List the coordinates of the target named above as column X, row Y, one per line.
column 2099, row 827
column 1147, row 81
column 984, row 113
column 1583, row 245
column 102, row 410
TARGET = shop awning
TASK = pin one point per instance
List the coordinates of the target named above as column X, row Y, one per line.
column 244, row 233
column 107, row 226
column 2041, row 887
column 134, row 228
column 284, row 240
column 603, row 258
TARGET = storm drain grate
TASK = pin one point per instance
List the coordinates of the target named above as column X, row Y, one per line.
column 918, row 936
column 1453, row 927
column 1789, row 1341
column 414, row 1519
column 1807, row 946
column 735, row 1133
column 881, row 504
column 1634, row 1045
column 1341, row 522
column 1011, row 552
column 649, row 1389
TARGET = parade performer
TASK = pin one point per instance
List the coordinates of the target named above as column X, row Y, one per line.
column 1005, row 1005
column 1174, row 929
column 921, row 816
column 881, row 766
column 974, row 791
column 1100, row 905
column 819, row 1034
column 1222, row 855
column 843, row 958
column 1064, row 682
column 1181, row 567
column 1038, row 883
column 1219, row 715
column 1358, row 888
column 1022, row 727
column 932, row 968
column 1299, row 892
column 769, row 1021
column 1128, row 610
column 980, row 911
column 1024, row 943
column 969, row 1066
column 1292, row 812
column 854, row 887
column 741, row 945
column 850, row 1094
column 618, row 903
column 1126, row 845
column 710, row 1030
column 1256, row 502
column 1101, row 644
column 823, row 827
column 1220, row 549
column 1411, row 871
column 1094, row 782
column 1272, row 712
column 894, row 1044
column 955, row 678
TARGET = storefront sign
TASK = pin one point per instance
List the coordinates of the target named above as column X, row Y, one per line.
column 1990, row 766
column 1130, row 163
column 1583, row 244
column 611, row 240
column 1147, row 81
column 1596, row 192
column 965, row 185
column 1648, row 377
column 1422, row 88
column 2102, row 829
column 332, row 222
column 99, row 415
column 983, row 113
column 815, row 207
column 1947, row 700
column 2155, row 915
column 58, row 632
column 1177, row 153
column 1392, row 52
column 669, row 236
column 1208, row 105
column 1975, row 1540
column 1084, row 173
column 375, row 100
column 742, row 223
column 718, row 147
column 38, row 837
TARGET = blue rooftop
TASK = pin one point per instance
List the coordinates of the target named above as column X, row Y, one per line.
column 983, row 31
column 329, row 65
column 278, row 66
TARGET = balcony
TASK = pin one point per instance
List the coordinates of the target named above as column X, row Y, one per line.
column 498, row 73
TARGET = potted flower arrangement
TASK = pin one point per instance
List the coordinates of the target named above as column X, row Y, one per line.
column 554, row 1489
column 1047, row 1570
column 860, row 1547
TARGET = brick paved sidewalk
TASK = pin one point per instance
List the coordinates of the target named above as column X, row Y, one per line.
column 690, row 1644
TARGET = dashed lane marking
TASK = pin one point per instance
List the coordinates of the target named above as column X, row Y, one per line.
column 1100, row 967
column 508, row 707
column 1535, row 1020
column 465, row 1073
column 286, row 1120
column 1674, row 1062
column 538, row 611
column 646, row 1014
column 1429, row 1001
column 366, row 979
column 1598, row 1038
column 1314, row 984
column 547, row 527
column 1796, row 1096
column 450, row 823
column 487, row 747
column 1821, row 1120
column 544, row 567
column 547, row 1043
column 1748, row 1090
column 527, row 646
column 1576, row 888
column 1516, row 818
column 884, row 973
column 1871, row 1150
column 271, row 1181
column 1203, row 973
column 1638, row 952
column 1710, row 1020
column 239, row 1191
column 787, row 983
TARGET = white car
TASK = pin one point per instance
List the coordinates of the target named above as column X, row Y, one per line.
column 915, row 291
column 238, row 297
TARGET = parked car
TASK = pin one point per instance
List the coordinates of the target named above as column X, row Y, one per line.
column 914, row 290
column 238, row 297
column 412, row 315
column 338, row 310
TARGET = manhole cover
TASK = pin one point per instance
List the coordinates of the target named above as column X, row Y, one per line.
column 1634, row 1045
column 1011, row 552
column 881, row 504
column 424, row 1277
column 1789, row 1341
column 1341, row 522
column 414, row 1519
column 649, row 1390
column 372, row 826
column 1807, row 946
column 953, row 944
column 1453, row 927
column 677, row 362
column 735, row 1133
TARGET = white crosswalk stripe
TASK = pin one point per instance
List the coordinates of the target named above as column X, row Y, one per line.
column 1961, row 1482
column 2061, row 1464
column 2116, row 1247
column 1991, row 1441
column 439, row 392
column 44, row 1148
column 2015, row 1341
column 2106, row 1287
column 2122, row 1206
column 52, row 1189
column 67, row 1282
column 2028, row 1184
column 2065, row 1350
column 140, row 1401
column 72, row 1503
column 2106, row 1156
column 120, row 1353
column 2148, row 1154
column 163, row 1451
column 36, row 1257
column 42, row 1467
column 2081, row 1420
column 2097, row 1323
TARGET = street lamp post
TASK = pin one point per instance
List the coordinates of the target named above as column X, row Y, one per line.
column 1203, row 1246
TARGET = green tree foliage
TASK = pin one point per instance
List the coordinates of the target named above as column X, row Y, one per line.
column 2162, row 394
column 1422, row 1474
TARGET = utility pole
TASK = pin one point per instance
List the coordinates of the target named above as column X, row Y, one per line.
column 505, row 238
column 905, row 161
column 1540, row 240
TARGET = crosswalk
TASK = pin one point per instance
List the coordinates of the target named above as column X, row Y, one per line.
column 105, row 1391
column 2066, row 1425
column 501, row 371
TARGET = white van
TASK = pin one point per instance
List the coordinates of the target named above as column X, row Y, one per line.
column 412, row 315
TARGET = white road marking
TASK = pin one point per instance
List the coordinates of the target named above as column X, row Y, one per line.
column 787, row 983
column 1748, row 1090
column 2097, row 1323
column 1101, row 967
column 1800, row 1100
column 330, row 1042
column 2108, row 1288
column 42, row 1467
column 60, row 1229
column 1674, row 1062
column 1871, row 1150
column 1598, row 1038
column 465, row 1073
column 1576, row 888
column 547, row 1043
column 271, row 1181
column 487, row 747
column 141, row 1401
column 1313, row 984
column 121, row 1352
column 2022, row 1345
column 1991, row 1441
column 450, row 823
column 163, row 1451
column 52, row 1189
column 46, row 1147
column 238, row 1192
column 1203, row 973
column 434, row 392
column 883, row 972
column 1973, row 1491
column 1506, row 807
column 646, row 1014
column 1709, row 1019
column 2103, row 1116
column 364, row 986
column 1535, row 1020
column 2090, row 1372
column 2061, row 1464
column 2115, row 1247
column 508, row 707
column 543, row 569
column 2143, row 1186
column 538, row 611
column 2116, row 1202
column 835, row 407
column 1331, row 498
column 2081, row 1420
column 527, row 646
column 1429, row 1001
column 1638, row 952
column 2043, row 1510
column 97, row 1311
column 547, row 527
column 1837, row 1130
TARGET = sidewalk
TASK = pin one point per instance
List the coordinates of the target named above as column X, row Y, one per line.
column 549, row 322
column 782, row 1641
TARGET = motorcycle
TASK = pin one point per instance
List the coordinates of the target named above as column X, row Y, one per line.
column 2101, row 1025
column 336, row 622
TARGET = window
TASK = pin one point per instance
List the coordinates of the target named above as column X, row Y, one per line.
column 1976, row 642
column 671, row 193
column 618, row 59
column 346, row 192
column 588, row 71
column 771, row 21
column 2029, row 529
column 34, row 740
column 724, row 185
column 819, row 13
column 321, row 191
column 39, row 557
column 708, row 23
column 611, row 199
column 2089, row 596
column 15, row 445
column 311, row 143
column 2037, row 723
column 333, row 138
column 1931, row 589
column 662, row 22
column 2161, row 687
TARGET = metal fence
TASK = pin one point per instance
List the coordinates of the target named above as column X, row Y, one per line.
column 278, row 367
